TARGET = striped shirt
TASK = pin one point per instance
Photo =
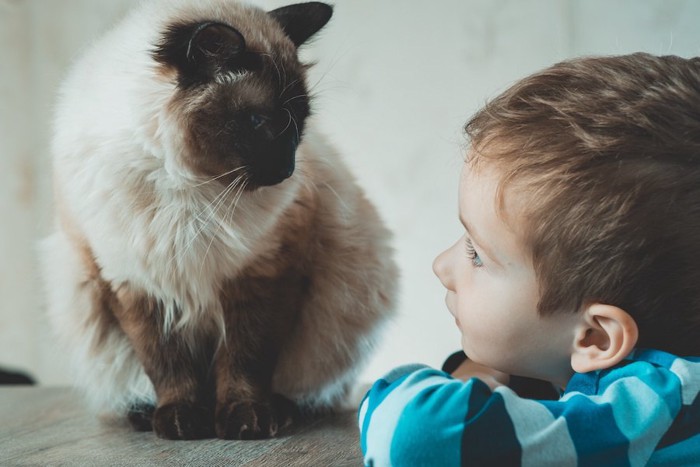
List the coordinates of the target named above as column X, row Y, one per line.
column 645, row 411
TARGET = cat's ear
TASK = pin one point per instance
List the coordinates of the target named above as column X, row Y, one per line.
column 201, row 51
column 214, row 45
column 303, row 20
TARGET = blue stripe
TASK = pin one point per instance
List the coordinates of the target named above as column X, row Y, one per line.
column 684, row 453
column 656, row 357
column 489, row 431
column 659, row 357
column 591, row 427
column 684, row 426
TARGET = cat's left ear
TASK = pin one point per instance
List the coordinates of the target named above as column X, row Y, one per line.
column 302, row 20
column 199, row 51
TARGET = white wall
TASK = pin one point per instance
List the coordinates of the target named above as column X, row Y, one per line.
column 395, row 82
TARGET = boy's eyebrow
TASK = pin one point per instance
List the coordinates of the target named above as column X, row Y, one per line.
column 476, row 238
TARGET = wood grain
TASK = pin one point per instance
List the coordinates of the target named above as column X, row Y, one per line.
column 49, row 426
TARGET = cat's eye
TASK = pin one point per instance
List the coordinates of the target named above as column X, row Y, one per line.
column 257, row 121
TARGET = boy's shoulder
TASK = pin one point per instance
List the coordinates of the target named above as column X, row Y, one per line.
column 660, row 358
column 649, row 369
column 646, row 409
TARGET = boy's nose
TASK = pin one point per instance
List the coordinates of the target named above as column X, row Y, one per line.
column 441, row 268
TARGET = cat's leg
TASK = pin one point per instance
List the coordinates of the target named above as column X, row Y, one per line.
column 259, row 314
column 177, row 376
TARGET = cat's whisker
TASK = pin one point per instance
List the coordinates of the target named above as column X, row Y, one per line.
column 295, row 125
column 219, row 225
column 234, row 204
column 321, row 78
column 289, row 122
column 207, row 208
column 238, row 198
column 204, row 224
column 341, row 201
column 237, row 169
column 295, row 97
column 289, row 86
column 330, row 67
column 218, row 199
column 202, row 221
column 229, row 218
column 324, row 162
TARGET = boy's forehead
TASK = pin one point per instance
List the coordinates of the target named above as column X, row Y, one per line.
column 486, row 208
column 493, row 226
column 479, row 185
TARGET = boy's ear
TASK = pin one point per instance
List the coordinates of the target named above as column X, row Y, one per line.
column 606, row 335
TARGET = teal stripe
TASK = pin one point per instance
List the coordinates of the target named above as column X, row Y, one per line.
column 383, row 406
column 429, row 430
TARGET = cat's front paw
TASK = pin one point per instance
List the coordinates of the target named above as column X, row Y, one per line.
column 183, row 420
column 140, row 417
column 249, row 419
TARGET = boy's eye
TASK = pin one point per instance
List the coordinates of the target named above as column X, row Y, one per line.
column 472, row 254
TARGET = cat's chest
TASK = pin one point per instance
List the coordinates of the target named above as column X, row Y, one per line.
column 183, row 247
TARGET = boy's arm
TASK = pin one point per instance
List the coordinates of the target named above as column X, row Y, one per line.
column 461, row 367
column 416, row 416
column 421, row 416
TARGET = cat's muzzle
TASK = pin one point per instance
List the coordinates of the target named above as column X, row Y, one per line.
column 275, row 159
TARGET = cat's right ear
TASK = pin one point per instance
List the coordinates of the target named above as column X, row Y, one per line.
column 302, row 20
column 200, row 51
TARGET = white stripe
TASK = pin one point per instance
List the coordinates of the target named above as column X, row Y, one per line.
column 544, row 439
column 385, row 417
column 363, row 412
column 642, row 416
column 689, row 374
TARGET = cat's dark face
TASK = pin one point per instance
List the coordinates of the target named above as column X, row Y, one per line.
column 242, row 102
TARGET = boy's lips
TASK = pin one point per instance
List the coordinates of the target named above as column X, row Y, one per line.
column 454, row 315
column 448, row 304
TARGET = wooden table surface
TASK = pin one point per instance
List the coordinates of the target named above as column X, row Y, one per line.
column 49, row 426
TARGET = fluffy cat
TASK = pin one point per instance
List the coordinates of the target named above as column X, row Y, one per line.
column 214, row 265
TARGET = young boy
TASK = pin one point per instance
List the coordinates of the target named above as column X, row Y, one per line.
column 579, row 266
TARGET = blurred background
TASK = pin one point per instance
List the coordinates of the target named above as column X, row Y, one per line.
column 394, row 83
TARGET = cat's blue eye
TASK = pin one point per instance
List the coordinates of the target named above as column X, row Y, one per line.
column 472, row 254
column 257, row 121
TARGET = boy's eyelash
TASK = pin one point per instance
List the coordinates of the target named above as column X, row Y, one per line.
column 472, row 254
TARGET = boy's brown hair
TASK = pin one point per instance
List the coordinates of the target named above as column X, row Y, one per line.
column 607, row 152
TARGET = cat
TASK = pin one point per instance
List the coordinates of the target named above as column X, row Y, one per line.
column 215, row 268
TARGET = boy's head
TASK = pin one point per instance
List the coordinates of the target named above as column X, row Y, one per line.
column 607, row 153
column 597, row 162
